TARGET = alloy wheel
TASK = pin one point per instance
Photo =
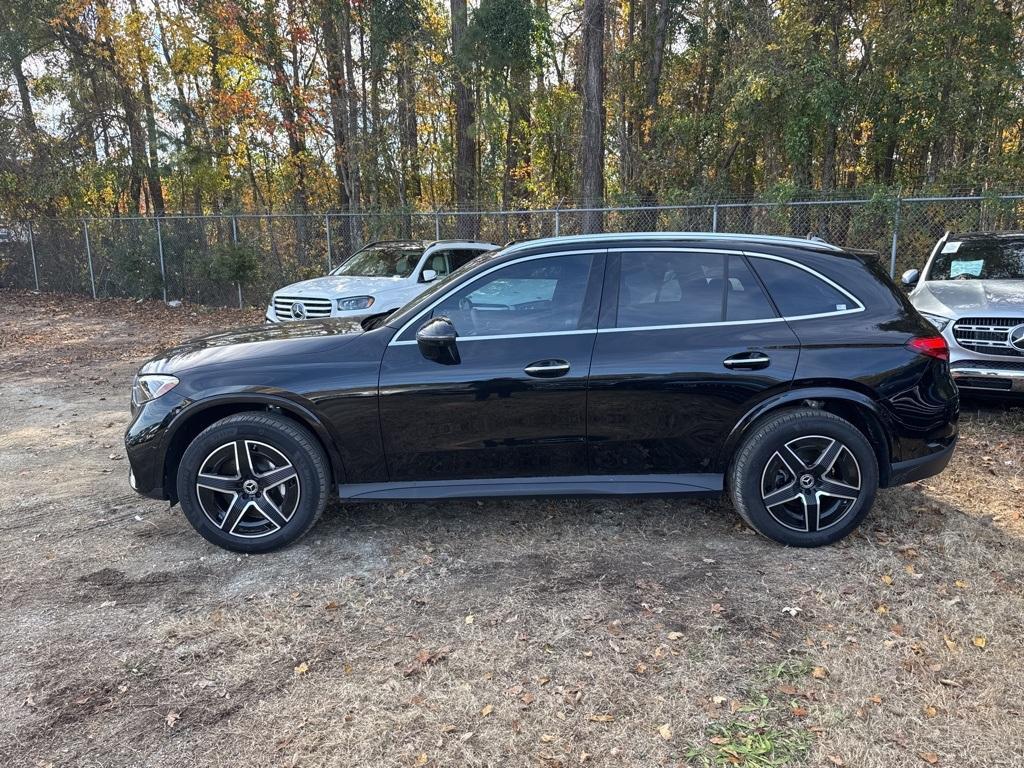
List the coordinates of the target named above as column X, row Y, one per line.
column 811, row 483
column 248, row 488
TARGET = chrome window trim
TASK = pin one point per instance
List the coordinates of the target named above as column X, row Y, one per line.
column 496, row 267
column 643, row 328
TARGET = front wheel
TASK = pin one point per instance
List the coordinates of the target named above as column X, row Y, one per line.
column 253, row 482
column 804, row 477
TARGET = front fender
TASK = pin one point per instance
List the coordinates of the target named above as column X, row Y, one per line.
column 302, row 410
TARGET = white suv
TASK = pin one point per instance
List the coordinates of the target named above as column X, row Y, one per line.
column 381, row 277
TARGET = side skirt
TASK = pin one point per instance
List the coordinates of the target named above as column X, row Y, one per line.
column 574, row 485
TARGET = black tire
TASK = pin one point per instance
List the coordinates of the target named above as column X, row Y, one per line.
column 233, row 513
column 760, row 484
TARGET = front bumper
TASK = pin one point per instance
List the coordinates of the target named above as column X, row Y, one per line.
column 1005, row 376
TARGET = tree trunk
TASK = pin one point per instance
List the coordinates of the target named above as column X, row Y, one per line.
column 465, row 128
column 592, row 142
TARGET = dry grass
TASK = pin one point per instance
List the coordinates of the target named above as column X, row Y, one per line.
column 495, row 633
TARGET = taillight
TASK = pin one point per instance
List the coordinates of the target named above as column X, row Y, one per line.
column 930, row 346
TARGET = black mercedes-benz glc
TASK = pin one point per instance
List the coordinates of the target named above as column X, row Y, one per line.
column 789, row 373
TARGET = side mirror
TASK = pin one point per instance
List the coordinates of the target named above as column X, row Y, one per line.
column 428, row 275
column 436, row 340
column 910, row 277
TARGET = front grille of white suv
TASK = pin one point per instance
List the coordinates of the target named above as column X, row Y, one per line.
column 288, row 307
column 987, row 335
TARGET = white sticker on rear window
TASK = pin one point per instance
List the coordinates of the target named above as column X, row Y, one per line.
column 972, row 268
column 841, row 307
column 951, row 247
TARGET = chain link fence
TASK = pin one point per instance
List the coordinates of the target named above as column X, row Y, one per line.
column 239, row 260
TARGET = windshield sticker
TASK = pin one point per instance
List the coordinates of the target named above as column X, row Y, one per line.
column 972, row 268
column 951, row 247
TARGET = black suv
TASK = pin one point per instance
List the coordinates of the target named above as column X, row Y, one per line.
column 790, row 373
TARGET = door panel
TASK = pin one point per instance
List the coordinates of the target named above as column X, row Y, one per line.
column 663, row 396
column 487, row 415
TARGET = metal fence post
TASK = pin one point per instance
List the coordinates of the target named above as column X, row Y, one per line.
column 327, row 226
column 160, row 248
column 32, row 250
column 714, row 218
column 234, row 241
column 895, row 239
column 558, row 219
column 88, row 256
column 437, row 224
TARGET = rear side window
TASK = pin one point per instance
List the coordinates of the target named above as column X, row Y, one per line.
column 675, row 288
column 797, row 292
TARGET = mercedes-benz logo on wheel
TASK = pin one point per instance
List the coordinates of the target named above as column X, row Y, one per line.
column 299, row 310
column 1016, row 337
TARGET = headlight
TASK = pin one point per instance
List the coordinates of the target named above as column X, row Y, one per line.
column 938, row 321
column 150, row 386
column 355, row 302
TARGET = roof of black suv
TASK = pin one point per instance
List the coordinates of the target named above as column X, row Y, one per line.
column 815, row 244
column 987, row 235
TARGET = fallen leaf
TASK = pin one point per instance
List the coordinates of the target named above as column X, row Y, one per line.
column 172, row 718
column 791, row 610
column 788, row 689
column 950, row 643
column 886, row 578
column 486, row 710
column 665, row 731
column 979, row 641
column 675, row 635
column 835, row 760
column 547, row 738
column 929, row 757
column 331, row 606
column 800, row 711
column 302, row 669
column 527, row 698
column 718, row 740
column 422, row 759
column 469, row 619
column 601, row 718
column 961, row 584
column 819, row 673
column 930, row 711
column 881, row 609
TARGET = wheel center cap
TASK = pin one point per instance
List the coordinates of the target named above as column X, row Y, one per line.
column 250, row 487
column 806, row 481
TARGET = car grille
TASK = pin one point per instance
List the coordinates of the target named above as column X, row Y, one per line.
column 315, row 307
column 988, row 335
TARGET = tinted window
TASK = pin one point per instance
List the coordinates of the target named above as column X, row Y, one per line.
column 746, row 299
column 668, row 288
column 979, row 260
column 537, row 296
column 797, row 292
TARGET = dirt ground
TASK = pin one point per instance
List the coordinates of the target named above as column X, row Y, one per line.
column 597, row 632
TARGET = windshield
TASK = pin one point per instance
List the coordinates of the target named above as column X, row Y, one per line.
column 382, row 261
column 994, row 259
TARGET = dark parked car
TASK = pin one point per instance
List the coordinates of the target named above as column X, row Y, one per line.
column 789, row 373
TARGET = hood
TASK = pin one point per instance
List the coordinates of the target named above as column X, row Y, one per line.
column 297, row 341
column 961, row 297
column 340, row 286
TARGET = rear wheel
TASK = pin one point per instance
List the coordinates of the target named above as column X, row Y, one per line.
column 253, row 482
column 804, row 477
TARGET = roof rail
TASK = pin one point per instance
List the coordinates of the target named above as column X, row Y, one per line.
column 764, row 239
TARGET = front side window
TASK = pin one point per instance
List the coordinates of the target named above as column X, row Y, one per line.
column 797, row 292
column 676, row 288
column 382, row 261
column 536, row 296
column 979, row 260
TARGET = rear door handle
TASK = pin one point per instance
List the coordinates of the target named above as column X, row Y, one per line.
column 547, row 369
column 747, row 361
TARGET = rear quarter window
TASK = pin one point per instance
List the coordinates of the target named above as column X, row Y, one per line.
column 797, row 292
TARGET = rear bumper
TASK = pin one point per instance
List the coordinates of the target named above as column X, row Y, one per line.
column 902, row 472
column 989, row 375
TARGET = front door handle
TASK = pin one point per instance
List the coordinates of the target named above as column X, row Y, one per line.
column 747, row 361
column 547, row 369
